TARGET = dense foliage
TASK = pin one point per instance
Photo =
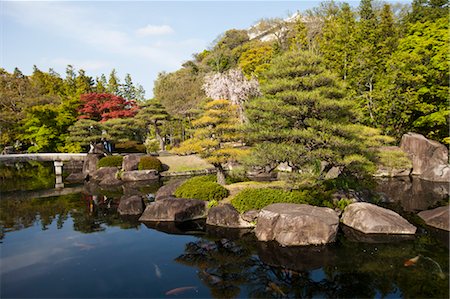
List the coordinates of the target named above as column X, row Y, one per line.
column 249, row 199
column 216, row 134
column 149, row 162
column 203, row 188
column 110, row 161
column 39, row 113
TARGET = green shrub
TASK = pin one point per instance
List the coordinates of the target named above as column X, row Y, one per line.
column 110, row 161
column 129, row 147
column 202, row 188
column 249, row 199
column 151, row 145
column 149, row 162
column 343, row 203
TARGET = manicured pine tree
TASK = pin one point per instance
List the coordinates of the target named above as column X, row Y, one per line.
column 152, row 114
column 215, row 136
column 304, row 119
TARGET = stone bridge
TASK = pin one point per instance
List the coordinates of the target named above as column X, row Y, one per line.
column 58, row 160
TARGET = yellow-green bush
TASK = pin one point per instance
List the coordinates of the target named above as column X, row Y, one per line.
column 110, row 161
column 203, row 188
column 149, row 162
column 251, row 198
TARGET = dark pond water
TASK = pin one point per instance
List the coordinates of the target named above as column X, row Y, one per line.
column 76, row 245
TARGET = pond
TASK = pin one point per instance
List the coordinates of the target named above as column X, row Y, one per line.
column 76, row 245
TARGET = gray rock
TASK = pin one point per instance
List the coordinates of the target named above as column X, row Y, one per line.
column 294, row 224
column 168, row 190
column 250, row 216
column 110, row 181
column 76, row 177
column 131, row 162
column 371, row 219
column 438, row 217
column 104, row 173
column 90, row 163
column 174, row 209
column 333, row 173
column 429, row 158
column 130, row 205
column 139, row 175
column 226, row 216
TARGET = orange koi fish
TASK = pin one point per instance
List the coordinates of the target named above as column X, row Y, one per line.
column 179, row 290
column 411, row 262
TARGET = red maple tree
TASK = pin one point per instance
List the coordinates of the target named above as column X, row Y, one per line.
column 104, row 106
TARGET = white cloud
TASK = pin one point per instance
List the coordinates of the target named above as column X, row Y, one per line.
column 155, row 30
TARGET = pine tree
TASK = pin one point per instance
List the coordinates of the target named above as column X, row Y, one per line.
column 303, row 118
column 113, row 83
column 127, row 90
column 215, row 137
column 152, row 114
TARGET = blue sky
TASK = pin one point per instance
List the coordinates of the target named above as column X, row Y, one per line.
column 142, row 38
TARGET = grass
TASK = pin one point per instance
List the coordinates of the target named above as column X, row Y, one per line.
column 184, row 163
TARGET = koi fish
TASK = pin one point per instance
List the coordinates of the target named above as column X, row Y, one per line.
column 412, row 261
column 157, row 271
column 180, row 290
column 276, row 288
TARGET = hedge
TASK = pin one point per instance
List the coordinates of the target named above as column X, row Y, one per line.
column 149, row 162
column 110, row 161
column 202, row 188
column 251, row 198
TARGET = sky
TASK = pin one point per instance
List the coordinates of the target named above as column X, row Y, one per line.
column 142, row 38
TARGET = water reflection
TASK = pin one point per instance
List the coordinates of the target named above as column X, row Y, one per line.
column 226, row 263
column 345, row 269
column 412, row 193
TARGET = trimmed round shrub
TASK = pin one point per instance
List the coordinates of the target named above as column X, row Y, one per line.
column 252, row 198
column 110, row 161
column 201, row 188
column 149, row 162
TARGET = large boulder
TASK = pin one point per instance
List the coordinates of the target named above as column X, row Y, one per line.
column 226, row 216
column 371, row 219
column 106, row 176
column 294, row 224
column 139, row 175
column 104, row 173
column 429, row 158
column 131, row 162
column 130, row 205
column 438, row 217
column 90, row 163
column 168, row 189
column 174, row 209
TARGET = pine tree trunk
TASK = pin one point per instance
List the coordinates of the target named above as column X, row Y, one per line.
column 220, row 174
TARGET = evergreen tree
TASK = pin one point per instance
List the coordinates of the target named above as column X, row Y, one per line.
column 127, row 90
column 303, row 118
column 113, row 83
column 365, row 66
column 215, row 137
column 101, row 84
column 337, row 43
column 152, row 114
